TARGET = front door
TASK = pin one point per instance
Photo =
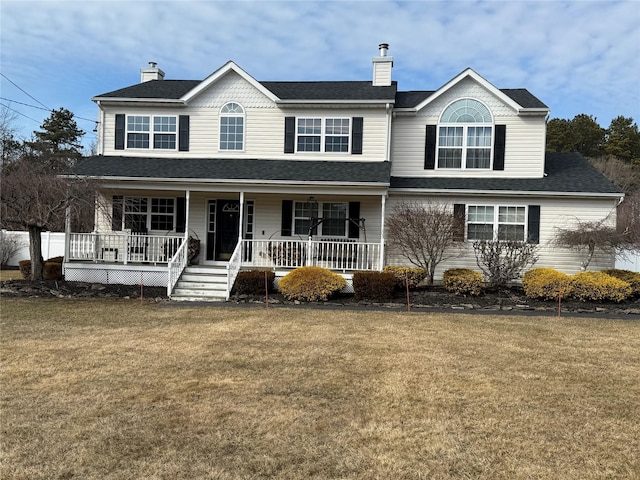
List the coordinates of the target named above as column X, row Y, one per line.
column 222, row 230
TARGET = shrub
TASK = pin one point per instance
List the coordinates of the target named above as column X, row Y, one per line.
column 632, row 278
column 25, row 268
column 9, row 246
column 462, row 281
column 374, row 286
column 311, row 284
column 502, row 262
column 402, row 274
column 546, row 284
column 598, row 286
column 252, row 282
column 52, row 270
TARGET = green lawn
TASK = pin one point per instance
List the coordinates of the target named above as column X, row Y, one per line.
column 116, row 389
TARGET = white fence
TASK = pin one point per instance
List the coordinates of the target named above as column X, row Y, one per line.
column 52, row 245
column 629, row 261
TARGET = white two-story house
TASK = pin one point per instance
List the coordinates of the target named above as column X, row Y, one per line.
column 284, row 174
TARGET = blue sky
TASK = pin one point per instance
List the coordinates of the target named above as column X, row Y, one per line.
column 576, row 56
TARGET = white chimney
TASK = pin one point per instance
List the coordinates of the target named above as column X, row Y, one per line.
column 382, row 67
column 151, row 73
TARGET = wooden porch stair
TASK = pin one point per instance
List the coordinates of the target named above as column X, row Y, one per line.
column 200, row 283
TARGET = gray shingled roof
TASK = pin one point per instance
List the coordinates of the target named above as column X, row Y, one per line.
column 174, row 89
column 521, row 96
column 347, row 90
column 239, row 169
column 566, row 172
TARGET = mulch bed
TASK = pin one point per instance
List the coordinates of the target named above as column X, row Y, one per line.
column 428, row 298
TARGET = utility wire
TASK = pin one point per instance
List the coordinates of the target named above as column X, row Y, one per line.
column 19, row 113
column 41, row 108
column 24, row 91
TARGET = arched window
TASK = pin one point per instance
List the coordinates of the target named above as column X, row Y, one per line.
column 465, row 135
column 231, row 127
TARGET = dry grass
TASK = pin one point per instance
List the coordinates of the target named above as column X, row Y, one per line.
column 10, row 275
column 121, row 389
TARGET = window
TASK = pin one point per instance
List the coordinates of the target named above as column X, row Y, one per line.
column 501, row 223
column 302, row 214
column 465, row 135
column 162, row 213
column 164, row 132
column 137, row 132
column 334, row 218
column 142, row 214
column 231, row 127
column 323, row 135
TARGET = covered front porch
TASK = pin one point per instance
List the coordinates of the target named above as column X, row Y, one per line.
column 228, row 232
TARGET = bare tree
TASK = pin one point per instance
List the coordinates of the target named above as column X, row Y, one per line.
column 589, row 237
column 503, row 262
column 34, row 198
column 426, row 234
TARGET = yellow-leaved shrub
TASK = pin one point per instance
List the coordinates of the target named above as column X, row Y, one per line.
column 462, row 281
column 546, row 284
column 406, row 274
column 311, row 284
column 598, row 286
column 632, row 278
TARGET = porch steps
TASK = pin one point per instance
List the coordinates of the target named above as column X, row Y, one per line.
column 201, row 284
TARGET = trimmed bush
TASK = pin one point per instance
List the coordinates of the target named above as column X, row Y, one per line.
column 25, row 268
column 401, row 274
column 374, row 286
column 252, row 282
column 546, row 284
column 598, row 286
column 632, row 278
column 462, row 281
column 311, row 284
column 51, row 269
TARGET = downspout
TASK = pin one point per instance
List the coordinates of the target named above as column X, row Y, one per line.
column 241, row 221
column 101, row 127
column 389, row 117
column 382, row 239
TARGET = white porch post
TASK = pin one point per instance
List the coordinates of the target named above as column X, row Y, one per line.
column 241, row 226
column 67, row 233
column 383, row 213
column 187, row 197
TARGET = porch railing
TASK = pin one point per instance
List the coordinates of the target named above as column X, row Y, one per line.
column 177, row 264
column 332, row 254
column 233, row 267
column 123, row 247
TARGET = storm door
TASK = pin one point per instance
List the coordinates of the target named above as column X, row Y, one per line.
column 223, row 220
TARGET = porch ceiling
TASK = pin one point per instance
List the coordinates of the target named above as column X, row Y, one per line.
column 235, row 169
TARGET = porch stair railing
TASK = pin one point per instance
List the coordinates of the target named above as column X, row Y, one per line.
column 233, row 267
column 177, row 265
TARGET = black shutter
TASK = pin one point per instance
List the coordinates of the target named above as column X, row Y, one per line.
column 119, row 131
column 289, row 134
column 181, row 214
column 287, row 218
column 430, row 148
column 354, row 219
column 356, row 136
column 117, row 206
column 183, row 133
column 459, row 212
column 533, row 224
column 498, row 147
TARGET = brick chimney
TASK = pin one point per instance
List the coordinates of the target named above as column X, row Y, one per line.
column 151, row 73
column 382, row 66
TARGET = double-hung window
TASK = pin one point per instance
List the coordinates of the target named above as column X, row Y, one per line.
column 323, row 134
column 465, row 135
column 142, row 214
column 332, row 223
column 139, row 131
column 488, row 222
column 232, row 127
column 164, row 133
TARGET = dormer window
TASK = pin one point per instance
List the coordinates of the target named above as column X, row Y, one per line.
column 232, row 127
column 465, row 135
